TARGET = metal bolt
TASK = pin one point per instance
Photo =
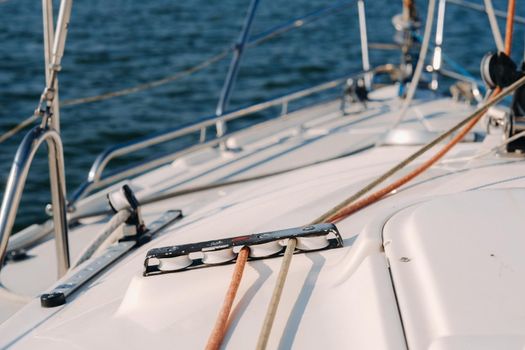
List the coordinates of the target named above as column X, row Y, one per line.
column 308, row 228
column 404, row 259
column 49, row 209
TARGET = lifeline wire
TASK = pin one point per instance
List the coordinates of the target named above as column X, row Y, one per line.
column 494, row 25
column 25, row 123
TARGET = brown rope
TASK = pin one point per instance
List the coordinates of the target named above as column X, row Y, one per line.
column 350, row 207
column 374, row 197
column 220, row 328
column 509, row 29
column 26, row 122
column 401, row 165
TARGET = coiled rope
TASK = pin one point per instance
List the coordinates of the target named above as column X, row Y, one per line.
column 349, row 206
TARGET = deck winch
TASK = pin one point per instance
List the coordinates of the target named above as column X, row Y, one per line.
column 224, row 251
column 499, row 70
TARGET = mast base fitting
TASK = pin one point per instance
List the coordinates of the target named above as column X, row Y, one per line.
column 224, row 251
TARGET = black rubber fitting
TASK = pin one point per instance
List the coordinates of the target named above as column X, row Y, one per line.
column 52, row 299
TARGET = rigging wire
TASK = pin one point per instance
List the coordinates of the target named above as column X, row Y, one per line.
column 480, row 8
column 494, row 25
column 220, row 327
column 294, row 23
column 151, row 84
column 22, row 125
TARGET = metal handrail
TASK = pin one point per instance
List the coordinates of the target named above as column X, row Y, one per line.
column 48, row 131
column 15, row 185
column 95, row 180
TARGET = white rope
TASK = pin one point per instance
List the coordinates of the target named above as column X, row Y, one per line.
column 107, row 235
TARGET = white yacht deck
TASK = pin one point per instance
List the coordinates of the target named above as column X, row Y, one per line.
column 401, row 279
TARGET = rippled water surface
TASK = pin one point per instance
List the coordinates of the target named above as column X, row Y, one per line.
column 117, row 44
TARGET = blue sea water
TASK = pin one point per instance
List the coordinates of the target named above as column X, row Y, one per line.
column 117, row 44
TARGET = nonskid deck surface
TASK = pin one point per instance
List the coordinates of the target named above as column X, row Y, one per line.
column 342, row 298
